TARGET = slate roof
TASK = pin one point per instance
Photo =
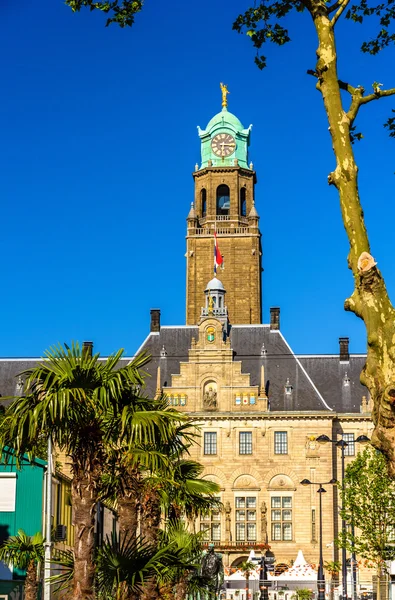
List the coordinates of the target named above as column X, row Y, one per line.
column 319, row 382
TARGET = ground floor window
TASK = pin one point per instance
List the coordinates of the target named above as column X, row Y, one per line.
column 281, row 516
column 211, row 525
column 245, row 518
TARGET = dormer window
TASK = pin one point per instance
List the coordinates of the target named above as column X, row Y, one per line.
column 346, row 380
column 288, row 388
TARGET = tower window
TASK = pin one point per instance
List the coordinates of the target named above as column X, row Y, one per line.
column 223, row 200
column 243, row 202
column 203, row 197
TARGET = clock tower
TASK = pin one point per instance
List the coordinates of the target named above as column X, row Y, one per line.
column 224, row 203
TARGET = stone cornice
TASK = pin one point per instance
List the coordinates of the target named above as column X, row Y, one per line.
column 276, row 416
column 228, row 169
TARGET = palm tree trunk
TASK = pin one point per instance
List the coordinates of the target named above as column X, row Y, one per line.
column 128, row 514
column 150, row 522
column 181, row 588
column 84, row 500
column 31, row 585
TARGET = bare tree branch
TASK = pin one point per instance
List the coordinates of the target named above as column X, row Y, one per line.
column 358, row 99
column 348, row 88
column 339, row 12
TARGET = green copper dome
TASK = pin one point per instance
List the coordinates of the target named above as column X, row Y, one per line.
column 224, row 131
column 225, row 117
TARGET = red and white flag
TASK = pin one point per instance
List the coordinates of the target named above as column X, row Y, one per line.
column 218, row 258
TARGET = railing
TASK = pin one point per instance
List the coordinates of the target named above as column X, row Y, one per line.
column 216, row 312
column 223, row 231
column 242, row 546
column 217, row 218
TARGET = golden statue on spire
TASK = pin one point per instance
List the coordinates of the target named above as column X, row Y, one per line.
column 225, row 92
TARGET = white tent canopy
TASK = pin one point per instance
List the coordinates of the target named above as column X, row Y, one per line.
column 300, row 571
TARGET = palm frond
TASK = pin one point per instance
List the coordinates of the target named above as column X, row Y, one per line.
column 19, row 550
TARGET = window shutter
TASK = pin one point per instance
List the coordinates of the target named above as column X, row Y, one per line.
column 7, row 492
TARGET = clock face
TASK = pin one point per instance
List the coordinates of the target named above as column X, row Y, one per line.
column 223, row 144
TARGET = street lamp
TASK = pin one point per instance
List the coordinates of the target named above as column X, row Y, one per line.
column 320, row 575
column 267, row 560
column 362, row 439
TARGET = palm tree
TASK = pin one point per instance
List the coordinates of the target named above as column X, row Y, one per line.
column 85, row 405
column 183, row 581
column 124, row 563
column 26, row 553
column 174, row 490
column 246, row 567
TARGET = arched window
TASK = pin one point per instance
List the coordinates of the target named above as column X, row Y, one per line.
column 223, row 200
column 243, row 202
column 203, row 197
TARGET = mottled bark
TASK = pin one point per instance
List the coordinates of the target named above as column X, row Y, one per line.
column 181, row 588
column 84, row 499
column 369, row 300
column 128, row 512
column 150, row 523
column 31, row 584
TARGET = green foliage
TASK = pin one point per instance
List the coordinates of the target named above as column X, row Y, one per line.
column 303, row 594
column 368, row 499
column 124, row 564
column 333, row 567
column 121, row 11
column 261, row 24
column 385, row 13
column 20, row 550
column 390, row 125
column 188, row 549
column 246, row 568
column 84, row 404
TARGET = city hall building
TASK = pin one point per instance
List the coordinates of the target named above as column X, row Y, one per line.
column 260, row 406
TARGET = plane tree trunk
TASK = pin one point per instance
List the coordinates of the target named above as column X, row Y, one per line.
column 369, row 300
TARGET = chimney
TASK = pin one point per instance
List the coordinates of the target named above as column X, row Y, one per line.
column 344, row 354
column 274, row 318
column 87, row 348
column 155, row 320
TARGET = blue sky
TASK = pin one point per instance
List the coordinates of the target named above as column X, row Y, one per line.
column 98, row 143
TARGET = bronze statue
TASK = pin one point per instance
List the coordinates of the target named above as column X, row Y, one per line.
column 212, row 569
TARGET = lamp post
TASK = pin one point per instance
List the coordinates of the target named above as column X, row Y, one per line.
column 264, row 595
column 323, row 439
column 320, row 575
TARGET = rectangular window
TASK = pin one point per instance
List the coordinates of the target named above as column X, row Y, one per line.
column 245, row 518
column 281, row 517
column 280, row 442
column 313, row 526
column 350, row 449
column 245, row 442
column 211, row 525
column 210, row 442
